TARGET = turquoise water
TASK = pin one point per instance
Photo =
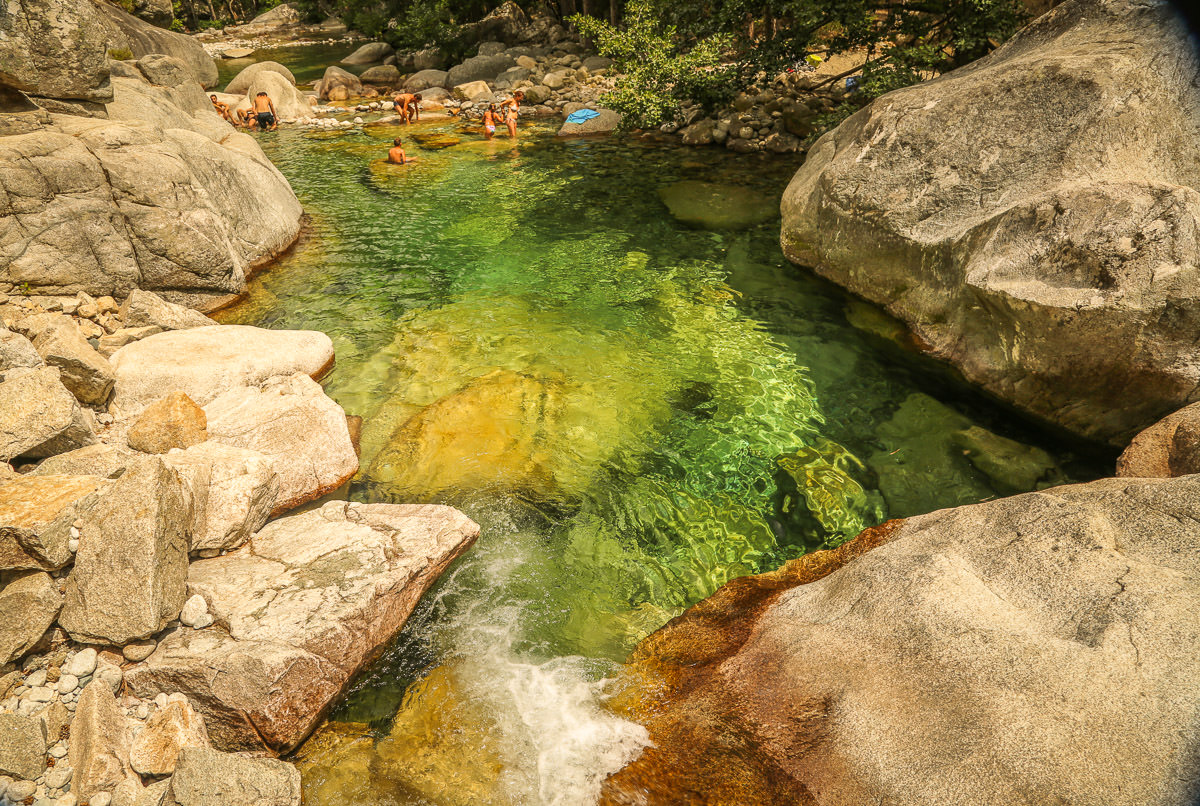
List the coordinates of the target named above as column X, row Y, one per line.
column 635, row 411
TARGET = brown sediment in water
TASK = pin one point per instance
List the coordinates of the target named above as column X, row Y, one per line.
column 704, row 751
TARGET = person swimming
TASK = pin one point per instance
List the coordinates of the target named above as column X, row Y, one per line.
column 396, row 155
column 489, row 121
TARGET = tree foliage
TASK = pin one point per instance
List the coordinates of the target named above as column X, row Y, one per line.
column 670, row 48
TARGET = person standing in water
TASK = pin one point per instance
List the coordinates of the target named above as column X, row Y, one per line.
column 510, row 110
column 264, row 110
column 396, row 154
column 408, row 106
column 489, row 121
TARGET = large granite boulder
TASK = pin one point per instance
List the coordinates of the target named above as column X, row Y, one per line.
column 22, row 746
column 54, row 49
column 1032, row 216
column 39, row 417
column 98, row 205
column 126, row 32
column 479, row 68
column 29, row 603
column 130, row 572
column 370, row 53
column 302, row 433
column 336, row 78
column 424, row 79
column 241, row 82
column 504, row 23
column 289, row 101
column 606, row 122
column 206, row 777
column 300, row 609
column 36, row 517
column 159, row 13
column 234, row 491
column 146, row 309
column 17, row 351
column 205, row 362
column 1035, row 649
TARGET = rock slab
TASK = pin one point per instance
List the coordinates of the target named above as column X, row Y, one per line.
column 28, row 606
column 206, row 777
column 306, row 604
column 1035, row 649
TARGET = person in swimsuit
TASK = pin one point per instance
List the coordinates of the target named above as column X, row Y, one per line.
column 396, row 154
column 222, row 109
column 489, row 121
column 264, row 111
column 246, row 118
column 511, row 109
column 408, row 106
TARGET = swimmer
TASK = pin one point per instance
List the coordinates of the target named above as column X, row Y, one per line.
column 510, row 110
column 396, row 154
column 489, row 121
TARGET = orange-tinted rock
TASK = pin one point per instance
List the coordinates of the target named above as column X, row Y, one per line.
column 174, row 421
column 1169, row 448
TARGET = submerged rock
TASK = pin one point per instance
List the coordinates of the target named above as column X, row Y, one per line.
column 1054, row 262
column 490, row 434
column 300, row 609
column 949, row 641
column 712, row 206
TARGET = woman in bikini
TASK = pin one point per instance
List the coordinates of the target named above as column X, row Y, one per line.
column 511, row 109
column 489, row 121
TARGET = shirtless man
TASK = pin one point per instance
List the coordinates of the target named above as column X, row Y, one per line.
column 264, row 111
column 222, row 109
column 396, row 154
column 510, row 110
column 408, row 105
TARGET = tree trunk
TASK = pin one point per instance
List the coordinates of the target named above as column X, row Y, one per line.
column 612, row 12
column 566, row 8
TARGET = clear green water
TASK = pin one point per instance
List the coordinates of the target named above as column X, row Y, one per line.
column 634, row 410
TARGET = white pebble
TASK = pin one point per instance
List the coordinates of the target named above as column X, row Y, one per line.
column 37, row 679
column 58, row 751
column 194, row 610
column 58, row 776
column 100, row 799
column 40, row 694
column 73, row 545
column 82, row 664
column 161, row 700
column 67, row 683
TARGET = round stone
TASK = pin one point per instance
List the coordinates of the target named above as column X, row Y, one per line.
column 58, row 776
column 82, row 664
column 194, row 609
column 40, row 694
column 20, row 790
column 138, row 651
column 100, row 799
column 67, row 683
column 37, row 679
column 58, row 751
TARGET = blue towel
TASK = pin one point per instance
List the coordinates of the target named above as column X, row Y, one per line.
column 582, row 116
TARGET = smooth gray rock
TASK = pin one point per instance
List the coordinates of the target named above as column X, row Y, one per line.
column 17, row 351
column 22, row 746
column 39, row 417
column 385, row 74
column 84, row 372
column 29, row 603
column 54, row 49
column 206, row 777
column 36, row 517
column 300, row 609
column 99, row 750
column 479, row 68
column 424, row 79
column 289, row 101
column 1054, row 262
column 370, row 53
column 130, row 573
column 242, row 81
column 124, row 31
column 336, row 77
column 607, row 122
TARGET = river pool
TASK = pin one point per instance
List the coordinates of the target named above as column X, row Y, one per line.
column 635, row 410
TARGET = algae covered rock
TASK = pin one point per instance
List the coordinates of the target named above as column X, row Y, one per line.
column 716, row 206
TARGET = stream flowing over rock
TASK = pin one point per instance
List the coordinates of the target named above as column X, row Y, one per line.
column 300, row 609
column 1032, row 216
column 1035, row 649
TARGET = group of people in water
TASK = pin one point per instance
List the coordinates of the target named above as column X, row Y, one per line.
column 261, row 115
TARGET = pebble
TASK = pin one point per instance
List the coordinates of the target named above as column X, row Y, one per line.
column 40, row 694
column 58, row 776
column 160, row 701
column 70, row 706
column 82, row 664
column 37, row 679
column 67, row 683
column 194, row 611
column 20, row 790
column 138, row 651
column 58, row 751
column 142, row 711
column 67, row 800
column 73, row 545
column 110, row 675
column 100, row 799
